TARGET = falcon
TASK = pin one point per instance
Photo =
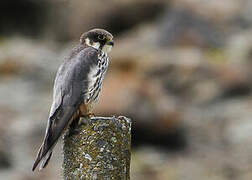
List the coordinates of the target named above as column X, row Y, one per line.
column 76, row 88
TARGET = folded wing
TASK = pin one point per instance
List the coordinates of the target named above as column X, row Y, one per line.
column 70, row 88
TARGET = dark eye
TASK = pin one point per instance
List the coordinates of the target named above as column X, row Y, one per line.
column 101, row 37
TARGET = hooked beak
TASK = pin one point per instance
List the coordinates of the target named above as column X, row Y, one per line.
column 110, row 43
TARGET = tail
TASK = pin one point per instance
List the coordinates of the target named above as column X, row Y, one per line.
column 44, row 158
column 56, row 125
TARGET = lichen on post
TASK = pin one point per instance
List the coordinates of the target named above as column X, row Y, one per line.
column 98, row 149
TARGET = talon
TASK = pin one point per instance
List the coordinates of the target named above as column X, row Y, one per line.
column 88, row 116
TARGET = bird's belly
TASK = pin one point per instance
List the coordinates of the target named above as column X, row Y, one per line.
column 94, row 91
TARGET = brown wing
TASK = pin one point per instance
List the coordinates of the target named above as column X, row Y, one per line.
column 70, row 88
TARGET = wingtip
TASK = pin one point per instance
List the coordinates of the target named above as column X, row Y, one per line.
column 45, row 160
column 33, row 168
column 38, row 159
column 35, row 165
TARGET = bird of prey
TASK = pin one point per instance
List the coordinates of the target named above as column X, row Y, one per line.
column 76, row 88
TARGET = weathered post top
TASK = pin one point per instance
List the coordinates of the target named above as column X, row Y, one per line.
column 99, row 149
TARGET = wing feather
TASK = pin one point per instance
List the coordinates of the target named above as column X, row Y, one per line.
column 70, row 89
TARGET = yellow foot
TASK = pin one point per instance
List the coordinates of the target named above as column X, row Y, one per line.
column 89, row 115
column 85, row 118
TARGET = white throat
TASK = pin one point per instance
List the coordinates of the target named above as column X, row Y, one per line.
column 106, row 48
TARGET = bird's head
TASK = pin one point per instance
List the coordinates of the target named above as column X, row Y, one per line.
column 98, row 39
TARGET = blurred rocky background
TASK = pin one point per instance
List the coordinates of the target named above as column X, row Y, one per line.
column 181, row 69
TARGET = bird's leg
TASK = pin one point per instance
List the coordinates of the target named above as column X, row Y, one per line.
column 84, row 118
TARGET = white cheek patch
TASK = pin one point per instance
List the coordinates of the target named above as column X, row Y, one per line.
column 87, row 41
column 106, row 48
column 95, row 45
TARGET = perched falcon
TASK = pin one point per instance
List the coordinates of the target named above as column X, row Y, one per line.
column 76, row 88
